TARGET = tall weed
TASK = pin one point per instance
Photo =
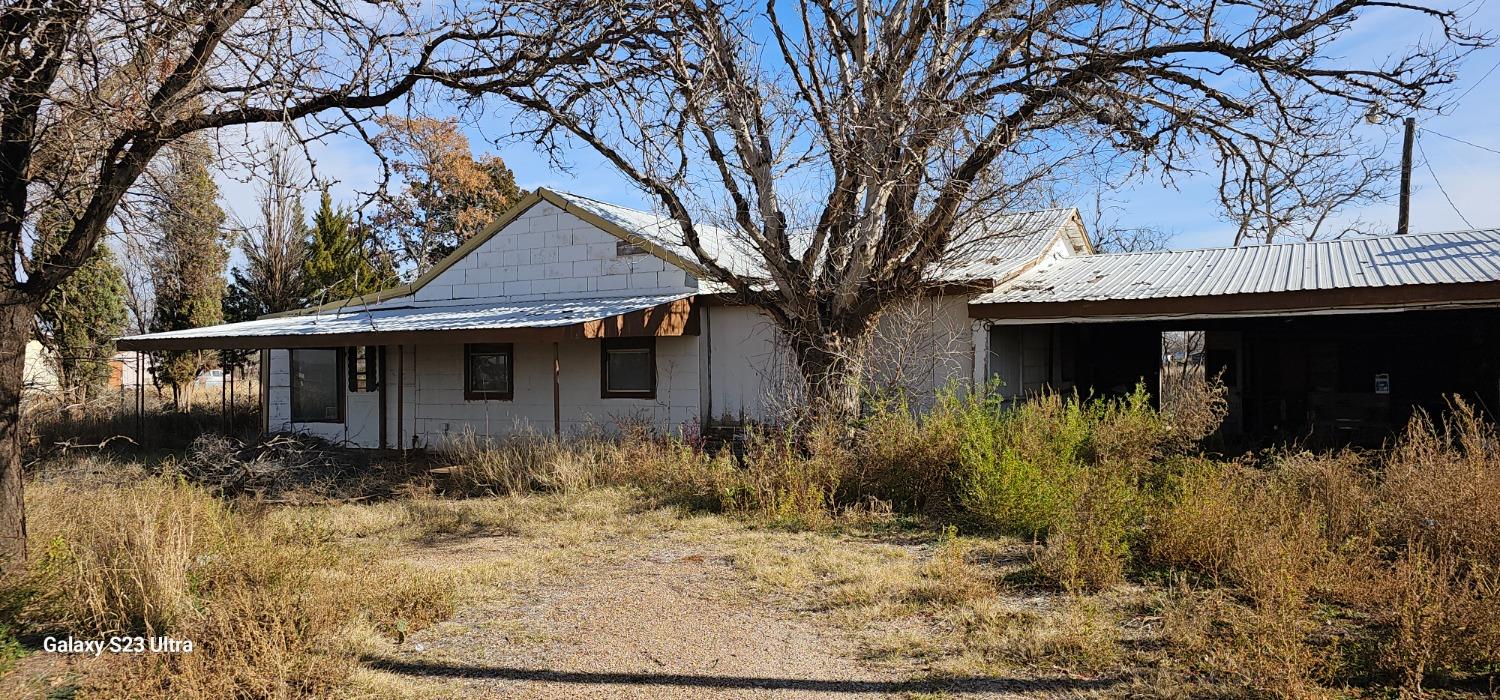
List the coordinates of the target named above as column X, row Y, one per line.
column 267, row 605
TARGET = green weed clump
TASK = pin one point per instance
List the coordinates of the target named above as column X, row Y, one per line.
column 1072, row 472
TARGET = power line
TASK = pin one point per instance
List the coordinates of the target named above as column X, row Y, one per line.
column 1459, row 140
column 1439, row 183
column 1477, row 82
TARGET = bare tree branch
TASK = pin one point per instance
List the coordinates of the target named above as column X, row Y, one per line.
column 898, row 127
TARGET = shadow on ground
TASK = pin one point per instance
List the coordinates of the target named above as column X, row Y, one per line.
column 450, row 670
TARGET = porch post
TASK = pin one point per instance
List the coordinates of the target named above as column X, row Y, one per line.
column 263, row 395
column 223, row 397
column 981, row 355
column 556, row 390
column 385, row 397
column 401, row 398
column 140, row 399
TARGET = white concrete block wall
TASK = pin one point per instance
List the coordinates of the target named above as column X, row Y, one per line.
column 279, row 392
column 751, row 376
column 922, row 347
column 435, row 409
column 925, row 346
column 438, row 411
column 547, row 253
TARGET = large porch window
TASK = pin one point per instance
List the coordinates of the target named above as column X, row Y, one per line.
column 628, row 368
column 489, row 372
column 317, row 395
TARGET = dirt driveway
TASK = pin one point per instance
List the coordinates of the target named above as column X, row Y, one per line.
column 666, row 625
column 661, row 615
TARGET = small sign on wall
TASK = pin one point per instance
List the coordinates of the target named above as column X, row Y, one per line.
column 1383, row 383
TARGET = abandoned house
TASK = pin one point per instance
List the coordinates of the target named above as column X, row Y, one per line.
column 571, row 314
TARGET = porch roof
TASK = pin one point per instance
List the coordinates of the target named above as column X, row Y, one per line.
column 470, row 320
column 1460, row 267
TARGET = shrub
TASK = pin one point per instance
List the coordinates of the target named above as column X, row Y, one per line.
column 1015, row 464
column 1441, row 614
column 1401, row 542
column 1091, row 548
column 1075, row 472
column 1023, row 467
column 906, row 459
column 790, row 479
column 11, row 650
column 1438, row 487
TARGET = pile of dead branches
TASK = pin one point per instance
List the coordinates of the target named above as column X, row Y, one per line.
column 285, row 469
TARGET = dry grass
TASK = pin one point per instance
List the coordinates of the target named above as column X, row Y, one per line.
column 1344, row 568
column 946, row 606
column 56, row 424
column 271, row 608
column 1096, row 541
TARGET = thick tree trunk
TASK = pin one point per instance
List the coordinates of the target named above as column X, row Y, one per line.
column 833, row 367
column 15, row 331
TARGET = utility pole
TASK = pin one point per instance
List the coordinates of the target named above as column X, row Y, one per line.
column 1403, row 216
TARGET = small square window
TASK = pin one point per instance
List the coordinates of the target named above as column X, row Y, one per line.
column 628, row 368
column 489, row 371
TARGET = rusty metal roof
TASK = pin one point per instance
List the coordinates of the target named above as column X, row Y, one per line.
column 1378, row 261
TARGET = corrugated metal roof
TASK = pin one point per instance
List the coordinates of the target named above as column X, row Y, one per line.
column 471, row 314
column 1004, row 244
column 1378, row 261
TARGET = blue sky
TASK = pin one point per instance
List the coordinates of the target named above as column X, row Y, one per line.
column 1470, row 174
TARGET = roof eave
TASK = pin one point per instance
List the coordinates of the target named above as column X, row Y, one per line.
column 674, row 318
column 1352, row 299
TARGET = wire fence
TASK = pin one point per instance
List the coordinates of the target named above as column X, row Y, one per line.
column 140, row 414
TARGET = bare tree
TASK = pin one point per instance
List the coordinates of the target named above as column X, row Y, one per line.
column 275, row 245
column 1294, row 183
column 1111, row 236
column 95, row 89
column 895, row 124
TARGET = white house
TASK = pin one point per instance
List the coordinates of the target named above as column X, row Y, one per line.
column 569, row 313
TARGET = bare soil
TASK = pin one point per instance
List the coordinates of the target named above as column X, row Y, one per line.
column 659, row 615
column 659, row 620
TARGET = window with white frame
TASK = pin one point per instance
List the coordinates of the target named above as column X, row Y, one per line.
column 317, row 392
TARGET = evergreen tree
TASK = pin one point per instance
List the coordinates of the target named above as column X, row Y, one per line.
column 190, row 263
column 341, row 262
column 79, row 319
